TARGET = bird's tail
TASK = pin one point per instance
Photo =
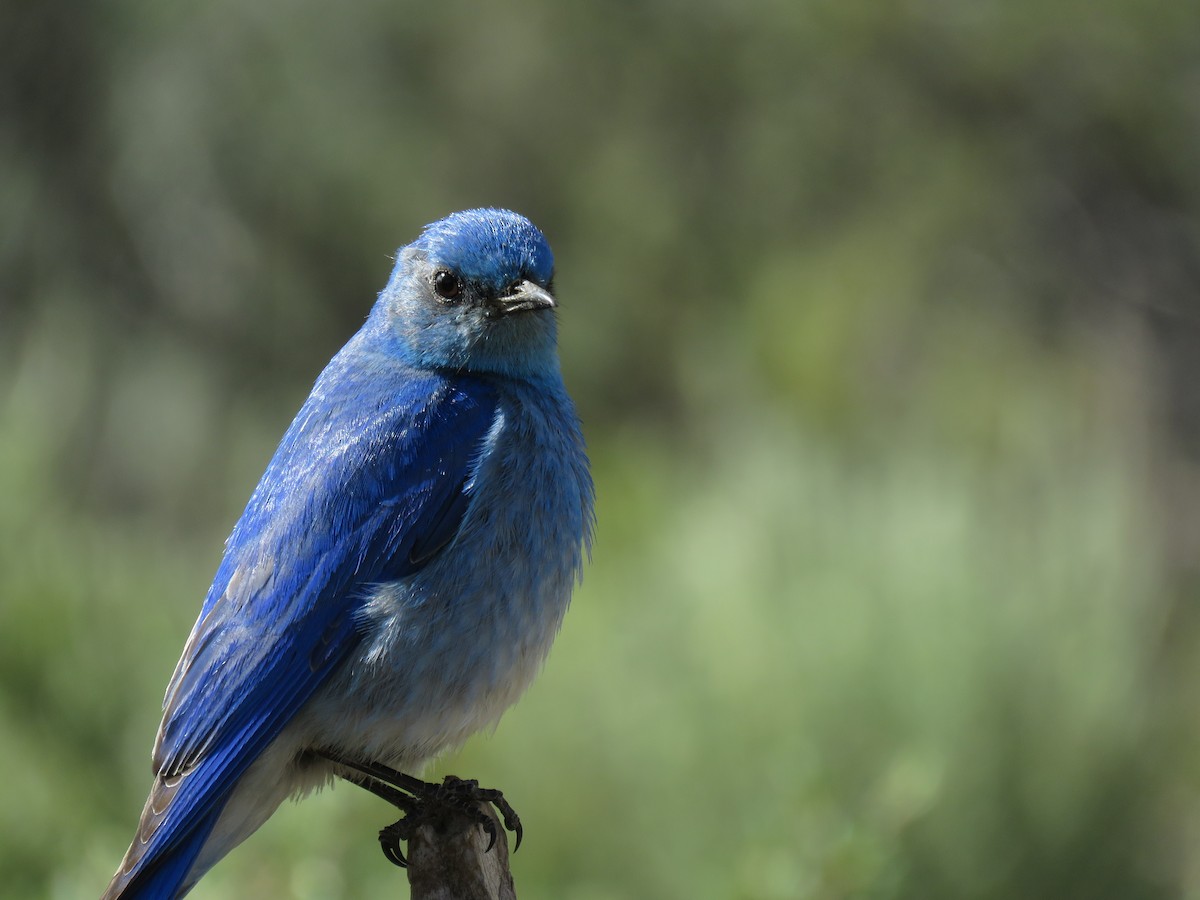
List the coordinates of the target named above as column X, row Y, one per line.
column 153, row 869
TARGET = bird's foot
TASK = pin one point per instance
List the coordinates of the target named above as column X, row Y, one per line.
column 424, row 802
column 436, row 803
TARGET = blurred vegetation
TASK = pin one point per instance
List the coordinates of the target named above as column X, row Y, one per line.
column 883, row 322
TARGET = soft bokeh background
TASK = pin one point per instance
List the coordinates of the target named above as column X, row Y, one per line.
column 883, row 321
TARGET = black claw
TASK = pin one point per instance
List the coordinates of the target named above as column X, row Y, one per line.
column 511, row 820
column 390, row 837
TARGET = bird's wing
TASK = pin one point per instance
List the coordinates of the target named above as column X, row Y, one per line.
column 371, row 480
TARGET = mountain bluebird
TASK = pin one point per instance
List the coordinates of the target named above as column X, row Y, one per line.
column 400, row 571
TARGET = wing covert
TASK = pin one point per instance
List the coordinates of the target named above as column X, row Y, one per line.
column 370, row 481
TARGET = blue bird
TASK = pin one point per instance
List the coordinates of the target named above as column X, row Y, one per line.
column 402, row 568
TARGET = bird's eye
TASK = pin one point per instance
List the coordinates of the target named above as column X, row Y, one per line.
column 447, row 284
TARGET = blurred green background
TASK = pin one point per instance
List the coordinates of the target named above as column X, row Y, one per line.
column 884, row 324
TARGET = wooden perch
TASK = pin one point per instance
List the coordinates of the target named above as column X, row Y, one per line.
column 448, row 859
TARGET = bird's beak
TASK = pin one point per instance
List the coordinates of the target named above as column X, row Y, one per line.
column 521, row 297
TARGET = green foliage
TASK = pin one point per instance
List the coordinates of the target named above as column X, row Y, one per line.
column 892, row 592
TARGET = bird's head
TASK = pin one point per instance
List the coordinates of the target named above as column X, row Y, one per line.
column 472, row 293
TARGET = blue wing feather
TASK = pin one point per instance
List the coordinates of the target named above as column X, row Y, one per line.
column 370, row 481
column 165, row 877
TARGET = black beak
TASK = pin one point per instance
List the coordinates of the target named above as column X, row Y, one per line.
column 521, row 297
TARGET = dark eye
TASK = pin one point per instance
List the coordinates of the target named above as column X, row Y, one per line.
column 447, row 284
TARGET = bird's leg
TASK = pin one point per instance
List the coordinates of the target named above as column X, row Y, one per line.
column 423, row 801
column 390, row 836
